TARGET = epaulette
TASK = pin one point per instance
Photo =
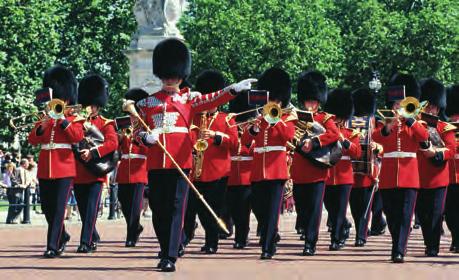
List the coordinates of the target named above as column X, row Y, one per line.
column 107, row 121
column 449, row 127
column 327, row 117
column 78, row 119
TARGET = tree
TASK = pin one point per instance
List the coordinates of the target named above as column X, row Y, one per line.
column 243, row 38
column 29, row 43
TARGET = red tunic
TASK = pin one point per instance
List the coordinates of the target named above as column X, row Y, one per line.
column 303, row 170
column 56, row 159
column 171, row 117
column 399, row 162
column 107, row 127
column 132, row 167
column 241, row 164
column 216, row 160
column 430, row 175
column 270, row 153
column 341, row 173
column 454, row 162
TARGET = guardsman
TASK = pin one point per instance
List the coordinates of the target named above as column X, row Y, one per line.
column 56, row 163
column 93, row 95
column 341, row 178
column 309, row 179
column 211, row 165
column 433, row 166
column 364, row 106
column 401, row 137
column 239, row 190
column 169, row 113
column 452, row 197
column 131, row 175
column 270, row 170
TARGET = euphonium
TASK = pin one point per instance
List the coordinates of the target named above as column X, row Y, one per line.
column 200, row 146
column 410, row 107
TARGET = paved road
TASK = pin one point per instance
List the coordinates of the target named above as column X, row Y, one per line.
column 21, row 248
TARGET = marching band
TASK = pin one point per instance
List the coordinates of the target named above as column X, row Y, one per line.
column 335, row 149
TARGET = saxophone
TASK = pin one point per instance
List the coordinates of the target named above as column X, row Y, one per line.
column 200, row 147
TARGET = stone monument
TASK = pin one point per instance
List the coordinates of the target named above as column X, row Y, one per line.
column 156, row 21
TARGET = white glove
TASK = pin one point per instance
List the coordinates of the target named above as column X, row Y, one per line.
column 242, row 85
column 151, row 138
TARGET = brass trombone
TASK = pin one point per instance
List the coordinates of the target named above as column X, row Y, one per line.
column 128, row 106
column 410, row 107
column 272, row 112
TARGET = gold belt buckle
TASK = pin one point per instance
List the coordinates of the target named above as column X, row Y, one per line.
column 166, row 129
column 51, row 146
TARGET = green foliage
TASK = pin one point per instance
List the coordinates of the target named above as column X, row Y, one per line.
column 243, row 38
column 341, row 38
column 84, row 35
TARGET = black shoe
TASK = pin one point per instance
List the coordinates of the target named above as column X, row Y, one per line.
column 204, row 248
column 130, row 243
column 277, row 238
column 309, row 250
column 50, row 254
column 93, row 246
column 454, row 249
column 303, row 236
column 376, row 232
column 429, row 252
column 160, row 263
column 417, row 226
column 63, row 244
column 239, row 245
column 335, row 246
column 181, row 251
column 300, row 231
column 210, row 250
column 84, row 248
column 167, row 266
column 266, row 256
column 398, row 258
column 360, row 243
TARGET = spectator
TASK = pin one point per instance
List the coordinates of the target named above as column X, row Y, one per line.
column 34, row 189
column 13, row 192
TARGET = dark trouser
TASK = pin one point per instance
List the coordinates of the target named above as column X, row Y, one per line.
column 26, row 212
column 360, row 197
column 54, row 195
column 452, row 213
column 399, row 206
column 430, row 206
column 15, row 197
column 311, row 197
column 214, row 194
column 88, row 199
column 131, row 198
column 267, row 197
column 299, row 203
column 168, row 197
column 337, row 198
column 113, row 198
column 238, row 198
column 377, row 220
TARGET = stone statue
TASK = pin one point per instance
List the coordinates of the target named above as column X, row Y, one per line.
column 158, row 16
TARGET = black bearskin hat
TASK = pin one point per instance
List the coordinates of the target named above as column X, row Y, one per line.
column 93, row 90
column 278, row 83
column 135, row 94
column 452, row 101
column 209, row 81
column 411, row 86
column 63, row 83
column 364, row 102
column 433, row 91
column 312, row 85
column 171, row 59
column 340, row 103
